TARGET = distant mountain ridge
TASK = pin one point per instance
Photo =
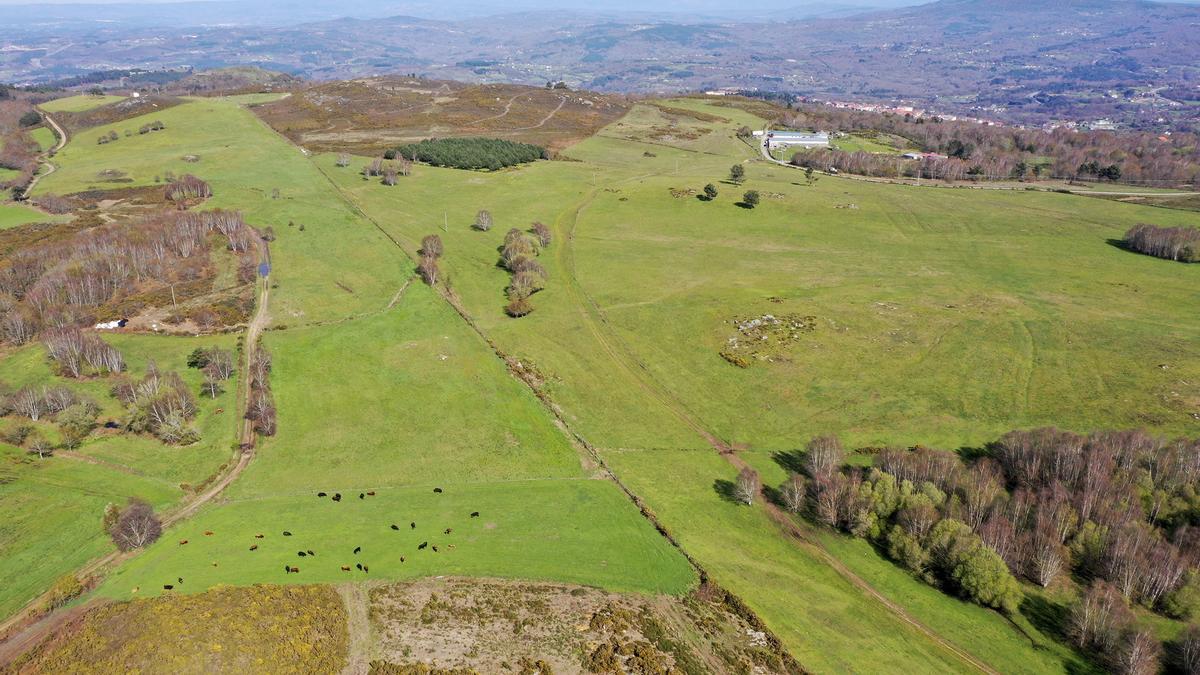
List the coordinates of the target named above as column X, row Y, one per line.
column 1018, row 59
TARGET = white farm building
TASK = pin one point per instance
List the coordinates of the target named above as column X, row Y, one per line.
column 777, row 140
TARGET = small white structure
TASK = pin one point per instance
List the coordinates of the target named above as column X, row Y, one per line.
column 778, row 140
column 111, row 325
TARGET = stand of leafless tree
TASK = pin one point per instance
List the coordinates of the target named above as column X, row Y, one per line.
column 60, row 284
column 1173, row 243
column 261, row 406
column 979, row 151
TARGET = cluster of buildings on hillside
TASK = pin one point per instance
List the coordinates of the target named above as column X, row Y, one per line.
column 782, row 140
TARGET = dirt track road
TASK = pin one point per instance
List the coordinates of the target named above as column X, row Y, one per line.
column 13, row 644
column 61, row 134
column 766, row 154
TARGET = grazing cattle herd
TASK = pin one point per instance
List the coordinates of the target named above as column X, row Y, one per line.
column 309, row 553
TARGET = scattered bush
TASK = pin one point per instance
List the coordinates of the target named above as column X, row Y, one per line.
column 136, row 526
column 187, row 187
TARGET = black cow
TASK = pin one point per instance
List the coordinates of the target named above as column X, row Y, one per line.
column 434, row 549
column 423, row 545
column 359, row 566
column 395, row 527
column 180, row 581
column 357, row 549
column 286, row 533
column 167, row 587
column 401, row 558
column 311, row 553
column 337, row 496
column 413, row 525
column 362, row 495
column 474, row 514
column 301, row 553
column 437, row 490
column 448, row 530
column 320, row 494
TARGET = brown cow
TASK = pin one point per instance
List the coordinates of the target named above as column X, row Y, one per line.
column 182, row 542
column 208, row 533
column 258, row 536
column 254, row 547
column 345, row 568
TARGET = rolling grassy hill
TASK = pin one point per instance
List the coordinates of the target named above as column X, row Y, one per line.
column 938, row 316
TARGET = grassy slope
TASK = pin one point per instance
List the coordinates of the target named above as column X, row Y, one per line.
column 377, row 437
column 79, row 103
column 13, row 215
column 424, row 405
column 337, row 266
column 45, row 137
column 891, row 361
column 52, row 508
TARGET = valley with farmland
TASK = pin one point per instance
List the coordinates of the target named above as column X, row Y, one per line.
column 404, row 375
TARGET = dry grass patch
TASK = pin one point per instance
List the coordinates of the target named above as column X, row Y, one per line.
column 275, row 629
column 491, row 626
column 368, row 116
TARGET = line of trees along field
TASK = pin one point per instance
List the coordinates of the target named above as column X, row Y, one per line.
column 1117, row 510
column 978, row 151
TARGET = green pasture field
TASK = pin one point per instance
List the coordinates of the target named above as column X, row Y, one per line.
column 51, row 509
column 328, row 263
column 400, row 403
column 14, row 215
column 405, row 397
column 50, row 513
column 944, row 317
column 79, row 103
column 44, row 136
column 570, row 530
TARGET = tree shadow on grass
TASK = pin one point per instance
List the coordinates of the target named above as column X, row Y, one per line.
column 726, row 490
column 1119, row 243
column 791, row 461
column 1048, row 617
column 744, row 205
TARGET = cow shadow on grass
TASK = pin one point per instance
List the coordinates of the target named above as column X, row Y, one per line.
column 726, row 490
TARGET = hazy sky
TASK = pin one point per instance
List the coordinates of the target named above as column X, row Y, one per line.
column 501, row 5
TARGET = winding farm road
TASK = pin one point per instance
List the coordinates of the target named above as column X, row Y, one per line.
column 61, row 135
column 766, row 154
